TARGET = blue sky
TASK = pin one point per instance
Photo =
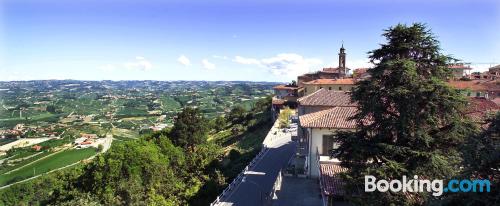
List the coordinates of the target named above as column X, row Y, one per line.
column 223, row 40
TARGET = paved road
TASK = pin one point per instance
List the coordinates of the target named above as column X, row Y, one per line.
column 297, row 191
column 263, row 175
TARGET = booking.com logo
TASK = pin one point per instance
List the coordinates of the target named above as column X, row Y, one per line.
column 423, row 185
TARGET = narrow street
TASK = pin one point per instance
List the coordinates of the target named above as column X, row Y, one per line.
column 260, row 179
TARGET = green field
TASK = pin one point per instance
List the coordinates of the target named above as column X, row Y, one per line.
column 7, row 141
column 169, row 104
column 124, row 134
column 21, row 163
column 29, row 117
column 58, row 160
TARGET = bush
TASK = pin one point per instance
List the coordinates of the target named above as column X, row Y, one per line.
column 284, row 117
column 100, row 148
column 234, row 155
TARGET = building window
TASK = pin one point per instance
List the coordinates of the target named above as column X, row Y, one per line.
column 478, row 94
column 329, row 88
column 327, row 145
column 468, row 94
column 340, row 88
column 320, row 87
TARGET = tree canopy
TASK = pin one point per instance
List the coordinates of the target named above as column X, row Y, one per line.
column 236, row 115
column 481, row 161
column 409, row 120
column 190, row 128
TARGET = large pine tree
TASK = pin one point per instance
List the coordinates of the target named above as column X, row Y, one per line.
column 190, row 129
column 409, row 121
column 481, row 161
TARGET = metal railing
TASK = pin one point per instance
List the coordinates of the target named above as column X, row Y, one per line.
column 272, row 135
column 236, row 181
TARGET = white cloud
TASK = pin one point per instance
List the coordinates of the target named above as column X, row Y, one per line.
column 184, row 60
column 286, row 64
column 220, row 57
column 140, row 63
column 207, row 65
column 358, row 63
column 243, row 60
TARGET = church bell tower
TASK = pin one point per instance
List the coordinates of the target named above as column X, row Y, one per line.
column 342, row 67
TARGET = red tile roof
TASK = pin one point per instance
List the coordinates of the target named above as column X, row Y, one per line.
column 458, row 66
column 496, row 100
column 361, row 70
column 479, row 108
column 324, row 97
column 331, row 183
column 476, row 85
column 337, row 117
column 494, row 68
column 285, row 87
column 349, row 81
column 278, row 101
column 331, row 70
column 37, row 147
column 477, row 104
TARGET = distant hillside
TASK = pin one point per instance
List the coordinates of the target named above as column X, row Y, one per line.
column 176, row 166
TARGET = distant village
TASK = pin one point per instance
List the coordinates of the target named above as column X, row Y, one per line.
column 43, row 134
column 323, row 106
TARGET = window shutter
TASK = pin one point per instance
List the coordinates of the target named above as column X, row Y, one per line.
column 325, row 145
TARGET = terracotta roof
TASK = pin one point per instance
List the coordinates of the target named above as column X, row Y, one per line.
column 479, row 108
column 324, row 97
column 278, row 101
column 337, row 117
column 37, row 147
column 361, row 70
column 478, row 104
column 476, row 85
column 331, row 81
column 331, row 70
column 285, row 87
column 496, row 100
column 458, row 66
column 332, row 184
column 495, row 67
